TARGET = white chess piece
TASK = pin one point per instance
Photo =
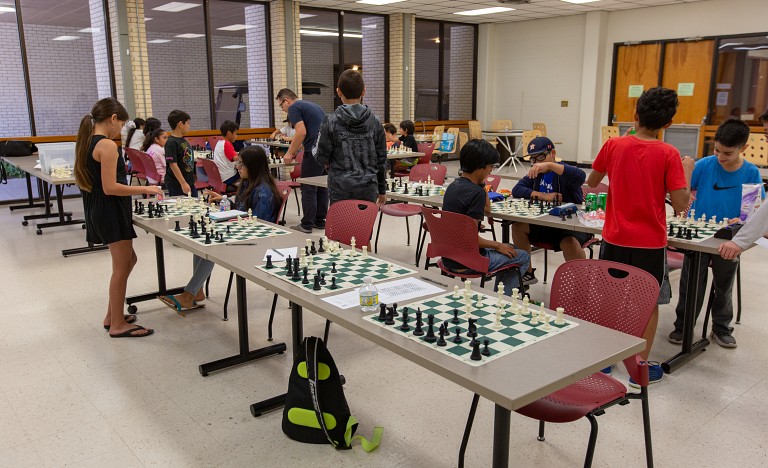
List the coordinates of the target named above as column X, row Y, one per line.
column 518, row 317
column 499, row 295
column 526, row 303
column 468, row 285
column 455, row 292
column 389, row 268
column 479, row 303
column 352, row 245
column 365, row 251
column 547, row 326
column 560, row 320
column 542, row 312
column 534, row 319
column 515, row 292
column 497, row 323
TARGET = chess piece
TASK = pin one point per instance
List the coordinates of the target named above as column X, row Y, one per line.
column 547, row 326
column 321, row 247
column 305, row 280
column 322, row 277
column 418, row 331
column 365, row 251
column 405, row 326
column 457, row 339
column 497, row 323
column 269, row 265
column 333, row 267
column 455, row 318
column 455, row 291
column 390, row 319
column 333, row 283
column 352, row 245
column 441, row 341
column 476, row 356
column 430, row 336
column 486, row 351
column 382, row 312
column 479, row 304
column 177, row 228
column 316, row 285
column 312, row 249
column 207, row 238
column 499, row 295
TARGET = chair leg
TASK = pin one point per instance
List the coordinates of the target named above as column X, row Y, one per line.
column 408, row 232
column 378, row 230
column 226, row 298
column 298, row 204
column 468, row 429
column 493, row 232
column 285, row 209
column 327, row 330
column 418, row 240
column 712, row 295
column 271, row 318
column 647, row 427
column 540, row 438
column 420, row 247
column 738, row 294
column 545, row 265
column 592, row 440
column 207, row 282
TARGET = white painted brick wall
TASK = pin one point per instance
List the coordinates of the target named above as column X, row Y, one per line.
column 100, row 57
column 259, row 94
column 461, row 72
column 396, row 68
column 373, row 63
column 14, row 119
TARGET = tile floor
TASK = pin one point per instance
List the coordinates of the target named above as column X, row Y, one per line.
column 70, row 396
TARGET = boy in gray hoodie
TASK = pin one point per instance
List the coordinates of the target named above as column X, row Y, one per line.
column 353, row 145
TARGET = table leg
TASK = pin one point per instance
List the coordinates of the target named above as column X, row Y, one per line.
column 62, row 214
column 505, row 228
column 690, row 349
column 42, row 187
column 501, row 421
column 506, row 144
column 30, row 197
column 161, row 287
column 81, row 250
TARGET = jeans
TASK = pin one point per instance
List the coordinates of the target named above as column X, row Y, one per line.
column 510, row 277
column 201, row 270
column 723, row 276
column 314, row 200
column 232, row 179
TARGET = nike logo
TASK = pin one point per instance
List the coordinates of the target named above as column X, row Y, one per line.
column 716, row 187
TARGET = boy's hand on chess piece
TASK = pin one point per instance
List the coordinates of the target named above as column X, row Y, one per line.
column 539, row 168
column 185, row 188
column 153, row 190
column 288, row 158
column 729, row 250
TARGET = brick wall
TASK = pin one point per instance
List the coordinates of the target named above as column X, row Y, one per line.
column 259, row 94
column 14, row 119
column 374, row 54
column 461, row 72
column 396, row 68
column 139, row 60
column 100, row 57
column 317, row 59
column 116, row 62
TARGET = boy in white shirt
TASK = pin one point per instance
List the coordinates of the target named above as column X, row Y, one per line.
column 224, row 154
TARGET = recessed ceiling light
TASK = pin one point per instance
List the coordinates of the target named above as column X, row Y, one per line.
column 305, row 15
column 7, row 9
column 233, row 46
column 66, row 38
column 189, row 35
column 175, row 7
column 158, row 41
column 236, row 27
column 483, row 11
column 379, row 2
column 580, row 1
column 318, row 32
column 89, row 30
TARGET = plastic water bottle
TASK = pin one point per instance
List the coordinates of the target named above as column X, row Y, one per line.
column 369, row 296
column 224, row 204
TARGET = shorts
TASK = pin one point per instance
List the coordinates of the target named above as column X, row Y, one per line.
column 651, row 260
column 553, row 236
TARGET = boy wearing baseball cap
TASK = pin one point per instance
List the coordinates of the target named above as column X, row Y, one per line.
column 549, row 180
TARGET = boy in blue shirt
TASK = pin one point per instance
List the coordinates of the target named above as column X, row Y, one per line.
column 467, row 196
column 718, row 183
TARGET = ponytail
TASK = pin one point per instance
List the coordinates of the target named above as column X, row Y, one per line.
column 149, row 138
column 82, row 145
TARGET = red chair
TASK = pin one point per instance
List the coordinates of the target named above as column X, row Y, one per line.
column 197, row 142
column 616, row 296
column 419, row 173
column 295, row 174
column 427, row 149
column 493, row 181
column 137, row 165
column 454, row 236
column 212, row 141
column 214, row 177
column 150, row 170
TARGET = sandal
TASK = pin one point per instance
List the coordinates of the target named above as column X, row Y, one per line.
column 174, row 304
column 129, row 333
column 129, row 318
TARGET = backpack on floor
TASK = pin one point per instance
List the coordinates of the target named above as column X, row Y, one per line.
column 316, row 411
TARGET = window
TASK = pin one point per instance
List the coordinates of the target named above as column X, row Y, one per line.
column 445, row 71
column 741, row 81
column 13, row 93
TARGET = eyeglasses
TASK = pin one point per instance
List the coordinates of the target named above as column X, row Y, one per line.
column 539, row 157
column 238, row 165
column 282, row 101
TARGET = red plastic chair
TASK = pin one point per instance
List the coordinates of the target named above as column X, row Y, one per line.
column 212, row 141
column 427, row 149
column 197, row 142
column 419, row 173
column 616, row 296
column 454, row 236
column 295, row 174
column 214, row 177
column 150, row 170
column 137, row 165
column 493, row 181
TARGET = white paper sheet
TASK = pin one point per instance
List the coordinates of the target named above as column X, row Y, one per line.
column 393, row 291
column 280, row 255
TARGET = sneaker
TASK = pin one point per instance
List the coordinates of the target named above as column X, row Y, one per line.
column 319, row 225
column 676, row 337
column 608, row 370
column 726, row 340
column 655, row 374
column 301, row 228
column 529, row 277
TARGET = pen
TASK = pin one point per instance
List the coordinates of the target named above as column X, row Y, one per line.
column 433, row 281
column 278, row 253
column 240, row 244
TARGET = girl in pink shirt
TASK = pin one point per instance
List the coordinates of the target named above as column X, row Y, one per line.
column 154, row 146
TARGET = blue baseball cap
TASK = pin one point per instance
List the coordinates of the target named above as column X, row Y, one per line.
column 539, row 145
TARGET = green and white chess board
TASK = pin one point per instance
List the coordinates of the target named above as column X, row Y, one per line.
column 701, row 230
column 519, row 207
column 427, row 190
column 244, row 231
column 175, row 207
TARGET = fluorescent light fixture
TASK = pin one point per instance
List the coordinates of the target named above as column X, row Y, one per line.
column 89, row 30
column 7, row 9
column 66, row 38
column 233, row 46
column 189, row 35
column 370, row 26
column 305, row 15
column 579, row 2
column 147, row 19
column 158, row 41
column 379, row 2
column 730, row 44
column 235, row 27
column 175, row 7
column 483, row 11
column 319, row 32
column 751, row 48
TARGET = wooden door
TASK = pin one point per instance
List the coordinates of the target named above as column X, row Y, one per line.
column 688, row 70
column 636, row 66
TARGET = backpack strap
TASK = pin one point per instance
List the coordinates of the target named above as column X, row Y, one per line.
column 311, row 360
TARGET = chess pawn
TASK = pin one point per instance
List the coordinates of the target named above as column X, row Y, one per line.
column 365, row 251
column 497, row 324
column 547, row 326
column 479, row 303
column 526, row 303
column 456, row 292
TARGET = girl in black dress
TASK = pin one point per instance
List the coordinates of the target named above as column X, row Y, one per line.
column 100, row 174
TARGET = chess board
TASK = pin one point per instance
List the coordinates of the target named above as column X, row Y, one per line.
column 510, row 337
column 413, row 189
column 519, row 207
column 172, row 209
column 705, row 229
column 237, row 232
column 350, row 272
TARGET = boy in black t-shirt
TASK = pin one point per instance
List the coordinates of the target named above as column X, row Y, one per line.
column 467, row 196
column 180, row 176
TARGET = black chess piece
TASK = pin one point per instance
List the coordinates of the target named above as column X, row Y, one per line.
column 671, row 230
column 394, row 309
column 207, row 238
column 486, row 351
column 430, row 337
column 472, row 328
column 441, row 341
column 458, row 339
column 220, row 237
column 333, row 267
column 289, row 265
column 476, row 356
column 562, row 215
column 322, row 278
column 305, row 280
column 688, row 234
column 696, row 234
column 405, row 326
column 455, row 318
column 405, row 191
column 321, row 247
column 306, row 251
column 136, row 207
column 228, row 230
column 570, row 214
column 177, row 228
column 269, row 262
column 295, row 276
column 382, row 312
column 390, row 319
column 313, row 250
column 333, row 283
column 316, row 286
column 418, row 331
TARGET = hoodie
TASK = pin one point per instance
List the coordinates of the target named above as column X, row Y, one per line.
column 353, row 145
column 569, row 185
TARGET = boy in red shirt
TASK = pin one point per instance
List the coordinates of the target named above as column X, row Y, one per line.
column 642, row 170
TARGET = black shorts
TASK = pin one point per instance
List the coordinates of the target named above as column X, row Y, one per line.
column 554, row 236
column 650, row 260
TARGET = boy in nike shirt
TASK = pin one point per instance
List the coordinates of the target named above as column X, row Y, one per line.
column 717, row 180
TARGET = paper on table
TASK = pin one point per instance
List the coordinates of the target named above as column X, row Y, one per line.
column 280, row 254
column 393, row 291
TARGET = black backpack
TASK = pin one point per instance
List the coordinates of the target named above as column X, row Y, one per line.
column 17, row 148
column 315, row 389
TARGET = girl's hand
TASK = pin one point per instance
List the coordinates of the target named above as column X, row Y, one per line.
column 153, row 190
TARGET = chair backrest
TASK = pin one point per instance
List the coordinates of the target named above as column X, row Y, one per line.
column 351, row 218
column 601, row 187
column 493, row 181
column 475, row 130
column 542, row 127
column 197, row 141
column 463, row 139
column 438, row 131
column 137, row 163
column 427, row 149
column 611, row 294
column 420, row 172
column 454, row 236
column 285, row 193
column 213, row 141
column 214, row 176
column 608, row 131
column 529, row 135
column 757, row 152
column 150, row 170
column 455, row 132
column 501, row 125
column 296, row 171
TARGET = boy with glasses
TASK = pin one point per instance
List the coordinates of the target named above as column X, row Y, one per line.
column 549, row 180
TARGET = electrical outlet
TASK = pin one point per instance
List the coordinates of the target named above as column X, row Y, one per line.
column 563, row 103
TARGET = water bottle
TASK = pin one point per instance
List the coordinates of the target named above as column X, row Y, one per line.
column 369, row 296
column 224, row 204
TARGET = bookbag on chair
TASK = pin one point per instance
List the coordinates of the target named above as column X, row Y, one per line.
column 316, row 411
